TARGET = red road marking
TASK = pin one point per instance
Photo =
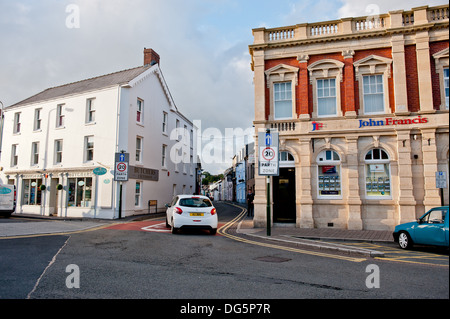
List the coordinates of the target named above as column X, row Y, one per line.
column 147, row 226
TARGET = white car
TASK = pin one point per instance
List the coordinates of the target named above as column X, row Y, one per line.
column 191, row 211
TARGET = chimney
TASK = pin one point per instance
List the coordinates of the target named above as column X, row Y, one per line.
column 150, row 57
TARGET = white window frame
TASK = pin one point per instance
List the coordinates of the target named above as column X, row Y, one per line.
column 376, row 162
column 138, row 194
column 284, row 96
column 34, row 153
column 373, row 65
column 139, row 146
column 371, row 85
column 14, row 155
column 35, row 190
column 164, row 156
column 88, row 150
column 286, row 159
column 282, row 73
column 328, row 96
column 164, row 122
column 58, row 156
column 336, row 184
column 140, row 111
column 324, row 70
column 17, row 124
column 90, row 110
column 37, row 119
column 83, row 200
column 60, row 117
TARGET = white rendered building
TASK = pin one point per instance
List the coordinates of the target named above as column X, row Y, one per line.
column 54, row 141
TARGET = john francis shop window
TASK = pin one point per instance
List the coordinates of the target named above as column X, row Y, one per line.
column 378, row 176
column 80, row 192
column 329, row 174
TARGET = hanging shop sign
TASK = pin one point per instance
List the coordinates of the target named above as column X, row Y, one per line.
column 392, row 121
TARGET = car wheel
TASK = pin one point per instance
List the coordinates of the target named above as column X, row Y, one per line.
column 173, row 229
column 404, row 241
column 213, row 231
column 167, row 223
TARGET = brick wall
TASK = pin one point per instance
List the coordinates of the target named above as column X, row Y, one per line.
column 412, row 80
column 304, row 94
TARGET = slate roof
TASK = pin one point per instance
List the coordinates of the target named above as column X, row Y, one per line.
column 117, row 78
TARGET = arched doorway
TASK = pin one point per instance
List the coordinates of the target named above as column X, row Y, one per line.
column 284, row 209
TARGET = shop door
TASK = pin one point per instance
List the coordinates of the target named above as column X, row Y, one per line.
column 284, row 210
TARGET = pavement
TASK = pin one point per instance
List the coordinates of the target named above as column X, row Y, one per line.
column 328, row 239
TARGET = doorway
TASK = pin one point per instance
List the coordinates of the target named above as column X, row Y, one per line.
column 284, row 210
column 53, row 205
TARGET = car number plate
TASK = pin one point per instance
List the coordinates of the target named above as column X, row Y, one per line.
column 196, row 214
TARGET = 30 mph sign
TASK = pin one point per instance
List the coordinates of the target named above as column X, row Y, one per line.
column 121, row 167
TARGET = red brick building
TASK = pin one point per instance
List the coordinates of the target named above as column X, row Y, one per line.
column 361, row 105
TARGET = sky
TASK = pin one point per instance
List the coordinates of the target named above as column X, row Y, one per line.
column 203, row 45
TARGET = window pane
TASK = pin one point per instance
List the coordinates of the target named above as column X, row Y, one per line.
column 282, row 100
column 283, row 109
column 378, row 180
column 71, row 192
column 326, row 97
column 373, row 94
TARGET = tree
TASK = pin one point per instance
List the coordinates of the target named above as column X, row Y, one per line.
column 209, row 179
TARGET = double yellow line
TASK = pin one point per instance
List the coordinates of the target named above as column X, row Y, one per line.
column 223, row 231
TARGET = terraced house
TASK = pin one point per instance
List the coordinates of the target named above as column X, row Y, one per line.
column 362, row 109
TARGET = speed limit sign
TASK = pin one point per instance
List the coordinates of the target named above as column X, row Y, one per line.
column 268, row 154
column 121, row 167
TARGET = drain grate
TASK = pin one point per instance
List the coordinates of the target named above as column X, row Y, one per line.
column 272, row 259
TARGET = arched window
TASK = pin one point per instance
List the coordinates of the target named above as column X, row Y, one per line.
column 286, row 159
column 329, row 174
column 378, row 176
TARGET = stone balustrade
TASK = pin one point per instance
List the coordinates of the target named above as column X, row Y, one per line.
column 347, row 26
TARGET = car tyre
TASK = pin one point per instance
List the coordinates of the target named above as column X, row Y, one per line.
column 404, row 240
column 173, row 229
column 213, row 231
column 167, row 223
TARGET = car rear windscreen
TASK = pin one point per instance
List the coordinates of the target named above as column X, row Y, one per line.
column 195, row 202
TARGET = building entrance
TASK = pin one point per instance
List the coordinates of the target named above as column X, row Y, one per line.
column 284, row 210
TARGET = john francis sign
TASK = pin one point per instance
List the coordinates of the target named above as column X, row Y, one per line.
column 392, row 121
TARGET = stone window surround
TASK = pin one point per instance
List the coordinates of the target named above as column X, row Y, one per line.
column 373, row 65
column 441, row 61
column 282, row 73
column 326, row 69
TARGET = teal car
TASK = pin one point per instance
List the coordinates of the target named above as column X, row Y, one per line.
column 430, row 229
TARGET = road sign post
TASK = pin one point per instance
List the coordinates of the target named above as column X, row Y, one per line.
column 268, row 164
column 441, row 183
column 121, row 174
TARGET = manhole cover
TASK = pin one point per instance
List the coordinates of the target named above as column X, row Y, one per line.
column 272, row 259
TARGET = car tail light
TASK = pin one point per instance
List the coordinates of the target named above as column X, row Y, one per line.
column 213, row 211
column 178, row 210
